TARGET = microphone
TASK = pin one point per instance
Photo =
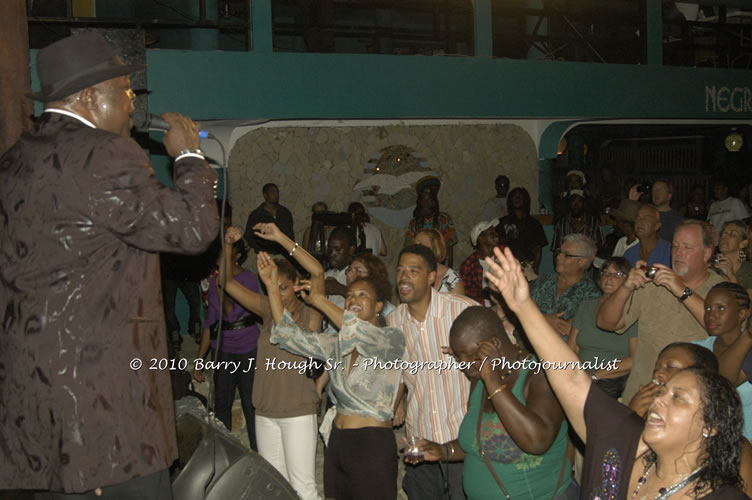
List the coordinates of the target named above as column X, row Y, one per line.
column 144, row 122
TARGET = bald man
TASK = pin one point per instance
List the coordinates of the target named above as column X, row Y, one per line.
column 651, row 248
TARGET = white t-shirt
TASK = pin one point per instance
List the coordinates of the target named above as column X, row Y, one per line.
column 725, row 210
column 373, row 237
column 622, row 246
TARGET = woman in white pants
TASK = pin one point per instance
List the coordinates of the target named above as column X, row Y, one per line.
column 286, row 401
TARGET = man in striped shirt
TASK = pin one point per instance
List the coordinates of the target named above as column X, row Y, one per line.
column 437, row 400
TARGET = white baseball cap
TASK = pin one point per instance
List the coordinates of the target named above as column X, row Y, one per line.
column 479, row 228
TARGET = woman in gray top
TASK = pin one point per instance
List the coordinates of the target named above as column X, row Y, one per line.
column 364, row 361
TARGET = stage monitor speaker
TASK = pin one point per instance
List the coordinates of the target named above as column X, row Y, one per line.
column 216, row 466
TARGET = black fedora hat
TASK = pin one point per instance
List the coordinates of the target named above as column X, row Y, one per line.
column 75, row 63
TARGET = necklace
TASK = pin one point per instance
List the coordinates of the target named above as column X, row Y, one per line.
column 664, row 493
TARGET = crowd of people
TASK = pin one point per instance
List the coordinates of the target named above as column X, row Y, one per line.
column 622, row 374
column 632, row 323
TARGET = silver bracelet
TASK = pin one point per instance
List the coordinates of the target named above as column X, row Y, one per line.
column 293, row 249
column 190, row 152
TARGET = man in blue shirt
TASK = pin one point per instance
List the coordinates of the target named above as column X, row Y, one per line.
column 651, row 248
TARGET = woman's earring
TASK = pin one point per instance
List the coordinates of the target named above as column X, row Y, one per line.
column 742, row 255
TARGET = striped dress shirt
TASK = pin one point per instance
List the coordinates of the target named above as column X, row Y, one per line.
column 437, row 401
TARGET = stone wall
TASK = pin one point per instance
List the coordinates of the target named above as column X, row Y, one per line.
column 326, row 163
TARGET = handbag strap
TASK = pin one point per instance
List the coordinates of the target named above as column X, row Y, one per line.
column 488, row 462
column 483, row 453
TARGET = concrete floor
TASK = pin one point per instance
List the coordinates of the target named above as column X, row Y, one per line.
column 189, row 351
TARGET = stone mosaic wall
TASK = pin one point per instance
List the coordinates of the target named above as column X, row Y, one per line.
column 326, row 163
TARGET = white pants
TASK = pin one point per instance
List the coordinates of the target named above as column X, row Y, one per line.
column 289, row 444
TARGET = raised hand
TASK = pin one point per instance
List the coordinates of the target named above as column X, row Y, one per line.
column 307, row 291
column 634, row 194
column 505, row 273
column 233, row 234
column 267, row 270
column 268, row 231
column 725, row 267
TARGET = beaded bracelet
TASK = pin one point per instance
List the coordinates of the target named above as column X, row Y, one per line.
column 293, row 249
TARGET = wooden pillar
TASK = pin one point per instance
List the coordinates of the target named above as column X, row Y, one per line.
column 15, row 108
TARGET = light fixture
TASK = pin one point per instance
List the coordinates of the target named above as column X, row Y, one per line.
column 562, row 146
column 734, row 141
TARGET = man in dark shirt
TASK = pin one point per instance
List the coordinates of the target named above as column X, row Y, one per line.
column 577, row 220
column 522, row 233
column 269, row 211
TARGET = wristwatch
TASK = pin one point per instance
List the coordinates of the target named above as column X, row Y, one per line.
column 687, row 294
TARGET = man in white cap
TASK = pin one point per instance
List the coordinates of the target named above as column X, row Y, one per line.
column 83, row 219
column 575, row 181
column 484, row 239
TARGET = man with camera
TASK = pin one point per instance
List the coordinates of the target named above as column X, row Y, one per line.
column 667, row 302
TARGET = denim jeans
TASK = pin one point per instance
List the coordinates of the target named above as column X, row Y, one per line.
column 225, row 383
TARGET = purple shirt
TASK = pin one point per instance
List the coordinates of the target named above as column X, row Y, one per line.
column 234, row 341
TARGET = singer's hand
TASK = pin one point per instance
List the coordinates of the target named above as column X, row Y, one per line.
column 183, row 133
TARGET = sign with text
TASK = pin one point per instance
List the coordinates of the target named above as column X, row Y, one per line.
column 728, row 100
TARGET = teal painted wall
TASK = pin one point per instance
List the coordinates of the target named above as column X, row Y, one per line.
column 351, row 86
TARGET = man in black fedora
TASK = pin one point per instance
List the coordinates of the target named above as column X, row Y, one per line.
column 82, row 219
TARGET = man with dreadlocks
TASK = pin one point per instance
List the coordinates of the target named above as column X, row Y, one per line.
column 428, row 215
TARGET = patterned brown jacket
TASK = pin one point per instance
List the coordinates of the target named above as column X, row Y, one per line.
column 82, row 217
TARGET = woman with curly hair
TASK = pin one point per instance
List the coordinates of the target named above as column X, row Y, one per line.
column 672, row 359
column 690, row 444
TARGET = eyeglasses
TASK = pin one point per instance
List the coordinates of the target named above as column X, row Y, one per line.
column 570, row 255
column 617, row 274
